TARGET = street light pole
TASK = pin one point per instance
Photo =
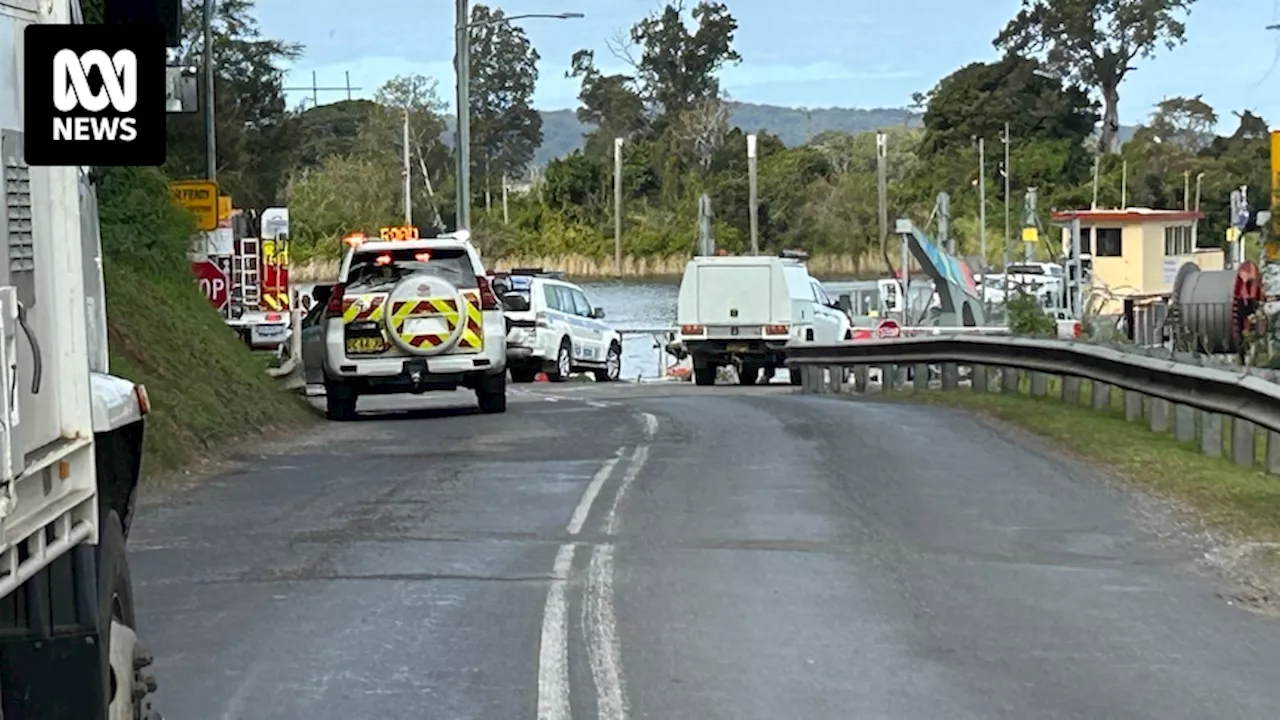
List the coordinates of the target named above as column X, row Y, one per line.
column 462, row 66
column 211, row 146
column 462, row 132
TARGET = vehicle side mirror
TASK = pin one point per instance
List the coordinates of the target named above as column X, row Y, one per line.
column 598, row 313
column 321, row 294
column 515, row 302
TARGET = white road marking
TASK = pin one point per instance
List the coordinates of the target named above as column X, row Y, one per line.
column 599, row 618
column 553, row 656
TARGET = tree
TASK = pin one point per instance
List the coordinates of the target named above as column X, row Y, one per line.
column 978, row 99
column 609, row 102
column 1183, row 122
column 505, row 129
column 255, row 134
column 344, row 194
column 382, row 139
column 677, row 68
column 332, row 129
column 1095, row 42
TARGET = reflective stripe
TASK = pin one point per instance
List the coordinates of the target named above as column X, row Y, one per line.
column 362, row 308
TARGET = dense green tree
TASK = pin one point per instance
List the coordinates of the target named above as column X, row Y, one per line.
column 505, row 129
column 1095, row 43
column 609, row 103
column 677, row 67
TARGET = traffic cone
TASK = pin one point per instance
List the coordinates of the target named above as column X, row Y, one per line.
column 541, row 377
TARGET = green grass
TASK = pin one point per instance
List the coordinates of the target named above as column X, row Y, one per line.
column 1243, row 502
column 207, row 390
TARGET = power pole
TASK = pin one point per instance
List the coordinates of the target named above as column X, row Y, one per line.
column 617, row 207
column 506, row 215
column 210, row 134
column 1031, row 221
column 882, row 188
column 462, row 133
column 753, row 199
column 408, row 175
column 1004, row 138
column 982, row 200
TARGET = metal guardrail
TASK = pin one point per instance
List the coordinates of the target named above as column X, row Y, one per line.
column 1213, row 390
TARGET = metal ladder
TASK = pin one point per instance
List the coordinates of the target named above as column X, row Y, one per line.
column 246, row 271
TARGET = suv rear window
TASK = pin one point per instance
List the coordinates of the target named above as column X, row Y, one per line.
column 378, row 269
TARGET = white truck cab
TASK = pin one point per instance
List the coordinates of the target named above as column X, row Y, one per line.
column 70, row 436
column 744, row 311
column 552, row 327
column 407, row 316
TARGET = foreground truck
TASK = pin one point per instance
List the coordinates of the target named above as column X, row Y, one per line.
column 70, row 439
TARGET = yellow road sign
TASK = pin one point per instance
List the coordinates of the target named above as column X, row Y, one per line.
column 1030, row 235
column 200, row 198
column 224, row 207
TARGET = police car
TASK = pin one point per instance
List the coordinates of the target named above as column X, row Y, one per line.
column 552, row 327
column 409, row 314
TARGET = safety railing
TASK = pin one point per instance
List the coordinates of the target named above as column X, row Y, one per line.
column 1192, row 400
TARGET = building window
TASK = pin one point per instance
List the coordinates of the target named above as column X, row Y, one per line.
column 1177, row 240
column 1086, row 241
column 1108, row 242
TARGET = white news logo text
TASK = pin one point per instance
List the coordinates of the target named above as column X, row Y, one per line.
column 71, row 92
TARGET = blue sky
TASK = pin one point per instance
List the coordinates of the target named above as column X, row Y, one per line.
column 801, row 53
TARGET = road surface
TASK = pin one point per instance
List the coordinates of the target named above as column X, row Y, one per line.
column 702, row 553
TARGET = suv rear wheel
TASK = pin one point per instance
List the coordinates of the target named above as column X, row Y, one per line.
column 491, row 393
column 563, row 365
column 340, row 401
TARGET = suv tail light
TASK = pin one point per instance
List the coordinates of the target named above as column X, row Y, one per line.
column 488, row 301
column 336, row 299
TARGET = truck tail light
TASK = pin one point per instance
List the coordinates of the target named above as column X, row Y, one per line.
column 777, row 329
column 692, row 330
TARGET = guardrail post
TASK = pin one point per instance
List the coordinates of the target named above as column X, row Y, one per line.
column 1211, row 434
column 1132, row 406
column 1008, row 380
column 1101, row 396
column 950, row 376
column 1039, row 384
column 1071, row 390
column 1159, row 415
column 860, row 378
column 1242, row 442
column 920, row 376
column 1184, row 423
column 1272, row 456
column 835, row 379
column 888, row 377
column 978, row 378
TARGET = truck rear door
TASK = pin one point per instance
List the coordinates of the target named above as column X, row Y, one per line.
column 735, row 297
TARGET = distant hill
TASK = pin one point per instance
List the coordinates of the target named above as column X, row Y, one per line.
column 562, row 133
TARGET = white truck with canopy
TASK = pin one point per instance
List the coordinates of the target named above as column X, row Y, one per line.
column 70, row 437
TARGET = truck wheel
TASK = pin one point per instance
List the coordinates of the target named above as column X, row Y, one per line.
column 563, row 365
column 769, row 372
column 523, row 374
column 124, row 657
column 612, row 365
column 491, row 393
column 705, row 375
column 794, row 372
column 340, row 401
column 748, row 374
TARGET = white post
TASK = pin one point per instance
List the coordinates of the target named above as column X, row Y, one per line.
column 753, row 200
column 506, row 215
column 617, row 207
column 408, row 174
column 982, row 200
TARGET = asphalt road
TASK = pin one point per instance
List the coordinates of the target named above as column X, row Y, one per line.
column 671, row 553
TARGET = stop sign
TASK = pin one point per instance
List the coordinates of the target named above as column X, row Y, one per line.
column 888, row 329
column 213, row 283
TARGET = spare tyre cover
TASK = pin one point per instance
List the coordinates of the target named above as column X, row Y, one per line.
column 424, row 315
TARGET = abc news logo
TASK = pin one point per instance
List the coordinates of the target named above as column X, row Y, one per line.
column 72, row 92
column 95, row 95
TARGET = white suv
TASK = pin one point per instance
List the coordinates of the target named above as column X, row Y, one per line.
column 552, row 327
column 407, row 316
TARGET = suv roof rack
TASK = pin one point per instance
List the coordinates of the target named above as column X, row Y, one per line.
column 799, row 255
column 535, row 272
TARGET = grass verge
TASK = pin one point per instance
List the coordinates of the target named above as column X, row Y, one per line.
column 207, row 390
column 1243, row 502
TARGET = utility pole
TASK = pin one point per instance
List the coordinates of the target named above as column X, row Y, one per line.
column 462, row 133
column 752, row 188
column 1124, row 184
column 506, row 214
column 982, row 200
column 617, row 207
column 408, row 175
column 1004, row 170
column 210, row 134
column 882, row 188
column 1031, row 222
column 943, row 207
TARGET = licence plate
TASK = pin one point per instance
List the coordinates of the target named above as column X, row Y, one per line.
column 425, row 326
column 738, row 347
column 365, row 345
